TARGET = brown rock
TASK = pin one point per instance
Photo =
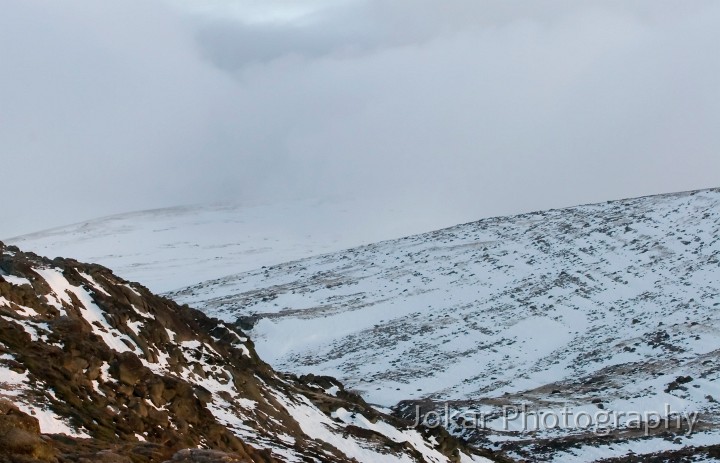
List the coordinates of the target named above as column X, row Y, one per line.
column 130, row 369
column 20, row 435
column 17, row 440
column 155, row 391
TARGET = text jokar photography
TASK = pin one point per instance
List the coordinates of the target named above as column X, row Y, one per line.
column 525, row 419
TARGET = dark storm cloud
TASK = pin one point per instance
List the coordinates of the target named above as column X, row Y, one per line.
column 477, row 108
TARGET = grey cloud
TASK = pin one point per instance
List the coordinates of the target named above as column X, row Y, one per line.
column 460, row 108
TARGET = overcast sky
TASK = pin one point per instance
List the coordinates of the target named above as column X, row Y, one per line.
column 475, row 107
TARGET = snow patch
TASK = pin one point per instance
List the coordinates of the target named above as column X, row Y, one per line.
column 410, row 436
column 13, row 280
column 94, row 283
column 317, row 425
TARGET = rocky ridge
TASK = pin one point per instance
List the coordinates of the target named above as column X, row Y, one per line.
column 94, row 368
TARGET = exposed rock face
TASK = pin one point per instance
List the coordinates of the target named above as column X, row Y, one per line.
column 20, row 436
column 93, row 368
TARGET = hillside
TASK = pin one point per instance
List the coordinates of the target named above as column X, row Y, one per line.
column 601, row 309
column 609, row 307
column 172, row 248
column 94, row 368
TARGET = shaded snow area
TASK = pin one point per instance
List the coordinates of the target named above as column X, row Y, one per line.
column 610, row 307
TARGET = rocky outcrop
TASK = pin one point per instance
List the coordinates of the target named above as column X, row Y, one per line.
column 93, row 368
column 20, row 438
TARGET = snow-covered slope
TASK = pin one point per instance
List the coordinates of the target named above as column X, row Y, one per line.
column 167, row 249
column 607, row 308
column 612, row 307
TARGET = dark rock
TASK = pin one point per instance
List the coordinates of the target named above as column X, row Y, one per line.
column 129, row 369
